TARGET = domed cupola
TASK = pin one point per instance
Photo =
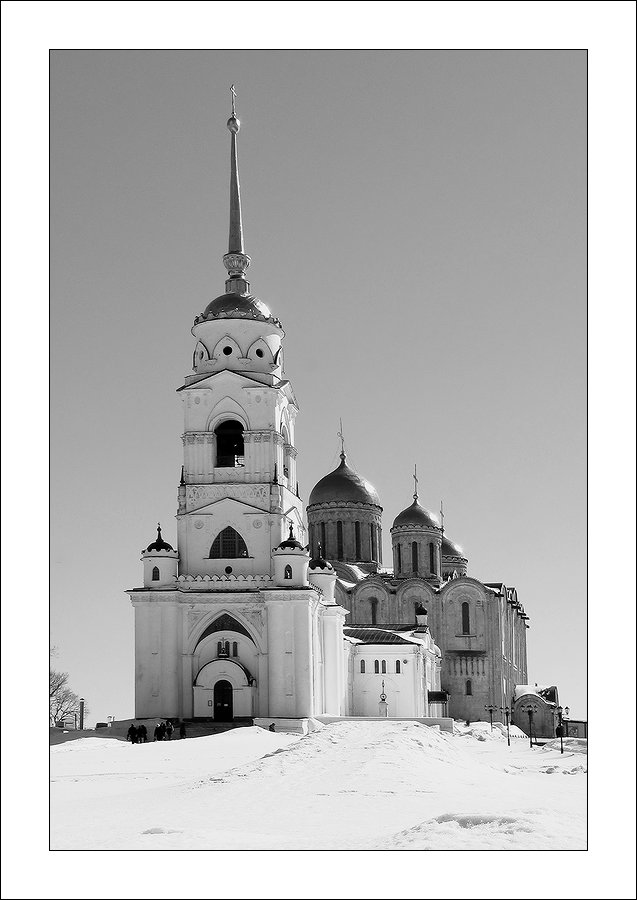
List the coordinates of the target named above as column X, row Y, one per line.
column 345, row 517
column 416, row 541
column 454, row 562
column 237, row 331
column 291, row 560
column 160, row 563
column 322, row 575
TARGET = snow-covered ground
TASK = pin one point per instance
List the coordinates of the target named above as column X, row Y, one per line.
column 359, row 785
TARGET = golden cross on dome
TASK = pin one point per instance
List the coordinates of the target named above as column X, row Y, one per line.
column 415, row 483
column 234, row 97
column 442, row 516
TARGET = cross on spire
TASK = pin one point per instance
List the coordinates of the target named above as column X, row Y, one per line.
column 442, row 517
column 233, row 95
column 340, row 434
column 415, row 483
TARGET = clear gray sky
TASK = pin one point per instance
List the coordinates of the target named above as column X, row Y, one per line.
column 417, row 221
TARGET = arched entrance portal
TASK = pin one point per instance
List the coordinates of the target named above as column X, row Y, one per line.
column 223, row 702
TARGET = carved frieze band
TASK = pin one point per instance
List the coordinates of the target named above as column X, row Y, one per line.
column 200, row 494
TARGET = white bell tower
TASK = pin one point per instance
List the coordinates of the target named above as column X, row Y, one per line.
column 239, row 492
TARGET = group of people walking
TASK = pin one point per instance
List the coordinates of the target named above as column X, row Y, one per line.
column 138, row 734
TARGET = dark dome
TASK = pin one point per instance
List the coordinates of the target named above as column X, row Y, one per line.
column 344, row 485
column 236, row 306
column 451, row 549
column 317, row 562
column 160, row 543
column 416, row 515
column 291, row 543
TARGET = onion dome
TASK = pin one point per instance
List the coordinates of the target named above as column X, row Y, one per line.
column 344, row 485
column 237, row 306
column 317, row 562
column 451, row 549
column 417, row 516
column 160, row 543
column 291, row 543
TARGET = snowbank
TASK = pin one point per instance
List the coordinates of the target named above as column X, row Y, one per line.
column 349, row 785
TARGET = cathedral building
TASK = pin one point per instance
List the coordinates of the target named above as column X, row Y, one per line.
column 256, row 614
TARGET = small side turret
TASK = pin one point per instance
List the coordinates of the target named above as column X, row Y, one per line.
column 323, row 576
column 160, row 563
column 291, row 560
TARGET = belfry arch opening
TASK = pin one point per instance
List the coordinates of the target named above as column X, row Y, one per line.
column 229, row 545
column 230, row 446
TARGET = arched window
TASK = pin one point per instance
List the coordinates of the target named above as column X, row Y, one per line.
column 397, row 667
column 235, row 649
column 323, row 539
column 155, row 575
column 228, row 545
column 372, row 539
column 379, row 545
column 383, row 667
column 376, row 667
column 465, row 619
column 414, row 556
column 374, row 610
column 399, row 561
column 362, row 666
column 432, row 559
column 219, row 646
column 357, row 539
column 230, row 444
column 287, row 573
column 467, row 688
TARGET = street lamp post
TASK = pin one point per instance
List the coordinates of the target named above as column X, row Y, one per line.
column 508, row 713
column 81, row 713
column 491, row 709
column 560, row 724
column 529, row 710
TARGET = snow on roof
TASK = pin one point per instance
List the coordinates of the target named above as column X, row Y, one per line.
column 540, row 690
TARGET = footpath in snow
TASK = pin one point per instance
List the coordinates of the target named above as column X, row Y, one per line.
column 360, row 785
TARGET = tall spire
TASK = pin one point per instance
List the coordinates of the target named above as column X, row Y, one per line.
column 235, row 260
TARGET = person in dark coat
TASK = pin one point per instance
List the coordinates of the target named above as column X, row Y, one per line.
column 131, row 734
column 162, row 731
column 142, row 734
column 272, row 727
column 182, row 730
column 157, row 733
column 169, row 728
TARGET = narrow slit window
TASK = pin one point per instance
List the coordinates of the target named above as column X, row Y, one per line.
column 397, row 667
column 414, row 557
column 432, row 559
column 376, row 667
column 357, row 539
column 362, row 666
column 399, row 561
column 374, row 610
column 468, row 688
column 383, row 667
column 155, row 575
column 339, row 540
column 287, row 573
column 466, row 624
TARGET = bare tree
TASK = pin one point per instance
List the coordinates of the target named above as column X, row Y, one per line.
column 62, row 700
